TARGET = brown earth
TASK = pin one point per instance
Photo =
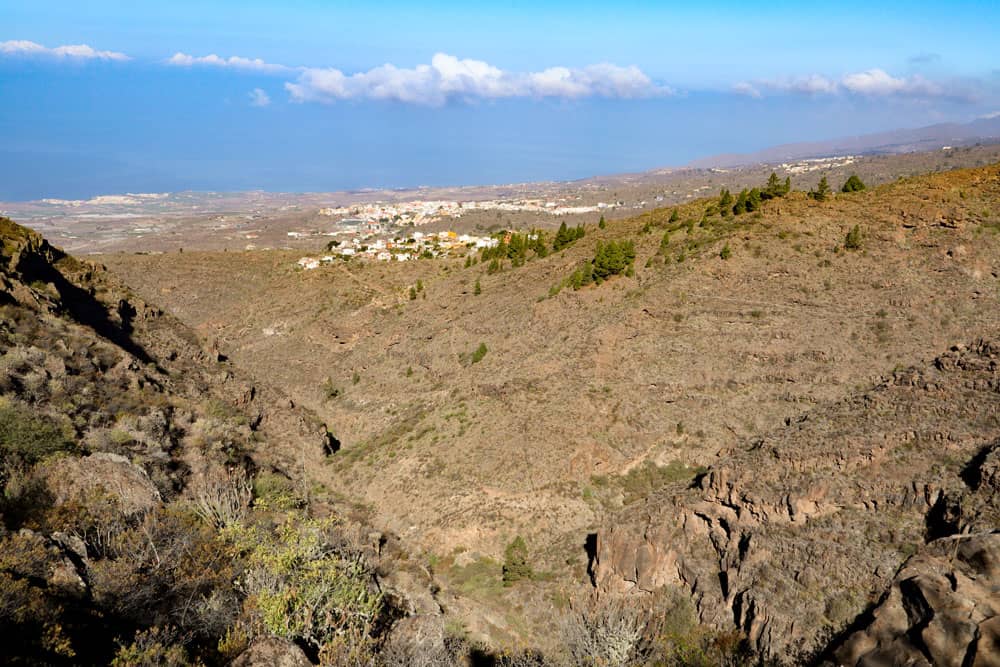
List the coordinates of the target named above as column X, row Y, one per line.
column 589, row 401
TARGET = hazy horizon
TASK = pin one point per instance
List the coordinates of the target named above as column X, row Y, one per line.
column 111, row 98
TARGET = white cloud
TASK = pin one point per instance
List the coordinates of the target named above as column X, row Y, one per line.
column 259, row 98
column 871, row 83
column 233, row 62
column 880, row 82
column 21, row 47
column 447, row 78
column 748, row 89
column 990, row 116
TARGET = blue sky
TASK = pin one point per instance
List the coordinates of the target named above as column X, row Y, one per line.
column 111, row 96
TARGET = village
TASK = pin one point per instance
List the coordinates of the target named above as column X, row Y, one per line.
column 399, row 249
column 372, row 231
column 420, row 212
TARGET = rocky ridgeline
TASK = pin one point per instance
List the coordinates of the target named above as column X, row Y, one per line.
column 149, row 417
column 140, row 345
column 864, row 530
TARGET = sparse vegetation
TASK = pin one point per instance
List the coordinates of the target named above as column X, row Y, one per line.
column 474, row 357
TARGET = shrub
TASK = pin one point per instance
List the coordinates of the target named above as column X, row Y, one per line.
column 515, row 562
column 301, row 587
column 609, row 633
column 480, row 352
column 152, row 647
column 477, row 289
column 725, row 253
column 26, row 437
column 222, row 497
column 853, row 184
column 853, row 239
column 330, row 390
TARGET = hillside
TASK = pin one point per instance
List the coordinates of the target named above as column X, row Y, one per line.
column 913, row 140
column 156, row 506
column 587, row 401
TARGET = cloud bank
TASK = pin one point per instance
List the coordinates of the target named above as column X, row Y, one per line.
column 448, row 78
column 233, row 62
column 22, row 47
column 870, row 83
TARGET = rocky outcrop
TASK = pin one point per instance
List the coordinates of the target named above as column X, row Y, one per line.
column 943, row 608
column 794, row 538
column 112, row 475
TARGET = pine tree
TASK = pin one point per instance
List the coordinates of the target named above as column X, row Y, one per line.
column 853, row 239
column 753, row 200
column 563, row 238
column 787, row 187
column 773, row 187
column 413, row 293
column 674, row 216
column 740, row 207
column 725, row 202
column 601, row 224
column 853, row 184
column 822, row 190
column 477, row 288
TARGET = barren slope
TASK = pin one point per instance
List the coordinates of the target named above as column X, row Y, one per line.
column 595, row 381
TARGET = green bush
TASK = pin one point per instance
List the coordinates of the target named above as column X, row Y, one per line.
column 515, row 563
column 725, row 253
column 853, row 184
column 480, row 352
column 27, row 437
column 300, row 586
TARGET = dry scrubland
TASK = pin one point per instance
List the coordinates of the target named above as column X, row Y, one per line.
column 769, row 437
column 592, row 410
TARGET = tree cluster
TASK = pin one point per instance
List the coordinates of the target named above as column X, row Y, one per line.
column 610, row 259
column 748, row 200
column 566, row 235
column 515, row 247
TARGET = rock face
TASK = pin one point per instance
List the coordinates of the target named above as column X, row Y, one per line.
column 943, row 609
column 794, row 538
